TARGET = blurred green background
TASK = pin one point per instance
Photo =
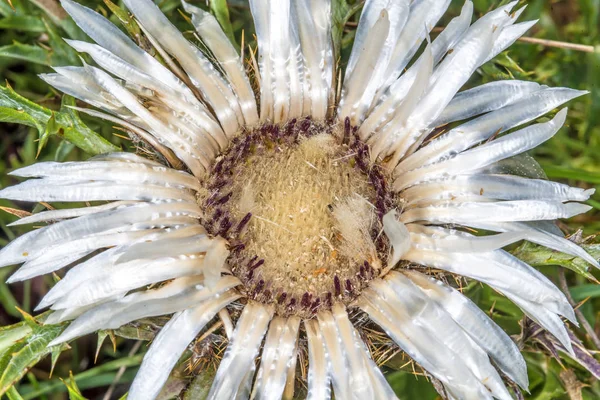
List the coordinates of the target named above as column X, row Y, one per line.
column 30, row 42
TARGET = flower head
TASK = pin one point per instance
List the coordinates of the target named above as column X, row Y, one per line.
column 313, row 214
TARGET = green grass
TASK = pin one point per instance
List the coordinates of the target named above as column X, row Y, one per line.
column 30, row 41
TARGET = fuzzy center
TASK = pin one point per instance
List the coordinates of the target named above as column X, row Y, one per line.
column 300, row 211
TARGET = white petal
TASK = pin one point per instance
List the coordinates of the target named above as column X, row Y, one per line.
column 422, row 19
column 379, row 28
column 170, row 343
column 540, row 236
column 54, row 215
column 241, row 352
column 122, row 172
column 398, row 236
column 485, row 98
column 211, row 33
column 547, row 319
column 382, row 141
column 123, row 218
column 107, row 35
column 477, row 325
column 399, row 321
column 181, row 146
column 119, row 277
column 435, row 238
column 175, row 296
column 52, row 190
column 52, row 258
column 499, row 187
column 506, row 211
column 213, row 87
column 476, row 131
column 487, row 154
column 508, row 36
column 280, row 60
column 502, row 272
column 314, row 26
column 384, row 111
column 318, row 375
column 435, row 319
column 336, row 356
column 447, row 79
column 278, row 356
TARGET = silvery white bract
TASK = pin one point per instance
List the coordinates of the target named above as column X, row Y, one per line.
column 189, row 110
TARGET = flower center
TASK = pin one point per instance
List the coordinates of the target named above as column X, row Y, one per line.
column 301, row 208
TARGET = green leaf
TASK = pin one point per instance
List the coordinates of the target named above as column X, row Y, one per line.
column 77, row 132
column 20, row 357
column 74, row 392
column 66, row 123
column 13, row 394
column 26, row 52
column 200, row 386
column 27, row 23
column 539, row 256
column 221, row 12
column 582, row 292
column 341, row 12
column 9, row 335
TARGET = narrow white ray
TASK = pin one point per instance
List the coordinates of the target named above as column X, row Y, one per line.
column 75, row 190
column 107, row 35
column 485, row 98
column 211, row 33
column 124, row 218
column 465, row 213
column 545, row 318
column 122, row 172
column 175, row 296
column 489, row 336
column 502, row 272
column 204, row 76
column 170, row 343
column 384, row 110
column 385, row 139
column 182, row 147
column 241, row 352
column 280, row 60
column 499, row 187
column 380, row 26
column 436, row 238
column 314, row 26
column 278, row 356
column 119, row 277
column 539, row 236
column 508, row 36
column 447, row 79
column 399, row 322
column 58, row 256
column 99, row 266
column 423, row 16
column 318, row 370
column 433, row 318
column 482, row 128
column 338, row 366
column 56, row 215
column 398, row 236
column 366, row 379
column 140, row 82
column 505, row 147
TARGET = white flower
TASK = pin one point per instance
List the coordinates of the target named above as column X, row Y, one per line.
column 291, row 220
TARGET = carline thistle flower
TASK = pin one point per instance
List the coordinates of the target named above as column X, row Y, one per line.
column 305, row 217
